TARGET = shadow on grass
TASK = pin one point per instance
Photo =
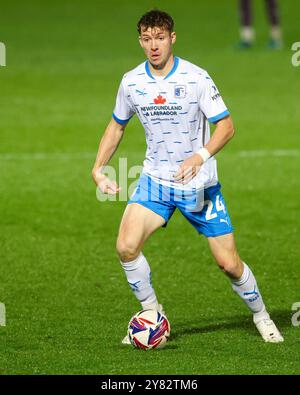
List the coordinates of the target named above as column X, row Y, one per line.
column 282, row 318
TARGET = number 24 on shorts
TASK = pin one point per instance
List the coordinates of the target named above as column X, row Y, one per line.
column 219, row 207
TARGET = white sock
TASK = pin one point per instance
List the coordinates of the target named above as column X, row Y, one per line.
column 138, row 275
column 247, row 34
column 275, row 33
column 246, row 287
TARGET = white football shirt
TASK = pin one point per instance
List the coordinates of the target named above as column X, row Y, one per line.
column 175, row 112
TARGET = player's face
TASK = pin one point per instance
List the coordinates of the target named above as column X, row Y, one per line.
column 157, row 44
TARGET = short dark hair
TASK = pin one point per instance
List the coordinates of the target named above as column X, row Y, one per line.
column 156, row 18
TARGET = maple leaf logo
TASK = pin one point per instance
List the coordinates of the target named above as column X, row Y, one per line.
column 160, row 100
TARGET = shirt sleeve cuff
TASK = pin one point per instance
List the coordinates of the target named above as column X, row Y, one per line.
column 120, row 121
column 218, row 117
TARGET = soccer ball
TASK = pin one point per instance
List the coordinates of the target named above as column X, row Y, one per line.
column 149, row 329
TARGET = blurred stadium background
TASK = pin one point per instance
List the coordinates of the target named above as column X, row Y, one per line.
column 66, row 297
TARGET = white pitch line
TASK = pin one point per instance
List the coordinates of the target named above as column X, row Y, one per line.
column 89, row 155
column 276, row 152
column 47, row 155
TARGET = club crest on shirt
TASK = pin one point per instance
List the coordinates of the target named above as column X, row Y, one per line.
column 180, row 91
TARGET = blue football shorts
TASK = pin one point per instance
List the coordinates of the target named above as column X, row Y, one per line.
column 205, row 208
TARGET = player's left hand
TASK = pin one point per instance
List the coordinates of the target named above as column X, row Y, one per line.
column 188, row 169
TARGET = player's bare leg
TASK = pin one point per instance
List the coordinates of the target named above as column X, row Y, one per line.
column 137, row 224
column 244, row 284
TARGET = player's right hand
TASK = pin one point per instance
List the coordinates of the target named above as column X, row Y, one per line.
column 105, row 184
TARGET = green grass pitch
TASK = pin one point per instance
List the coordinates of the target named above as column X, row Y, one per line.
column 66, row 297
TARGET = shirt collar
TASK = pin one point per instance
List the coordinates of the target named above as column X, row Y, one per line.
column 174, row 68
